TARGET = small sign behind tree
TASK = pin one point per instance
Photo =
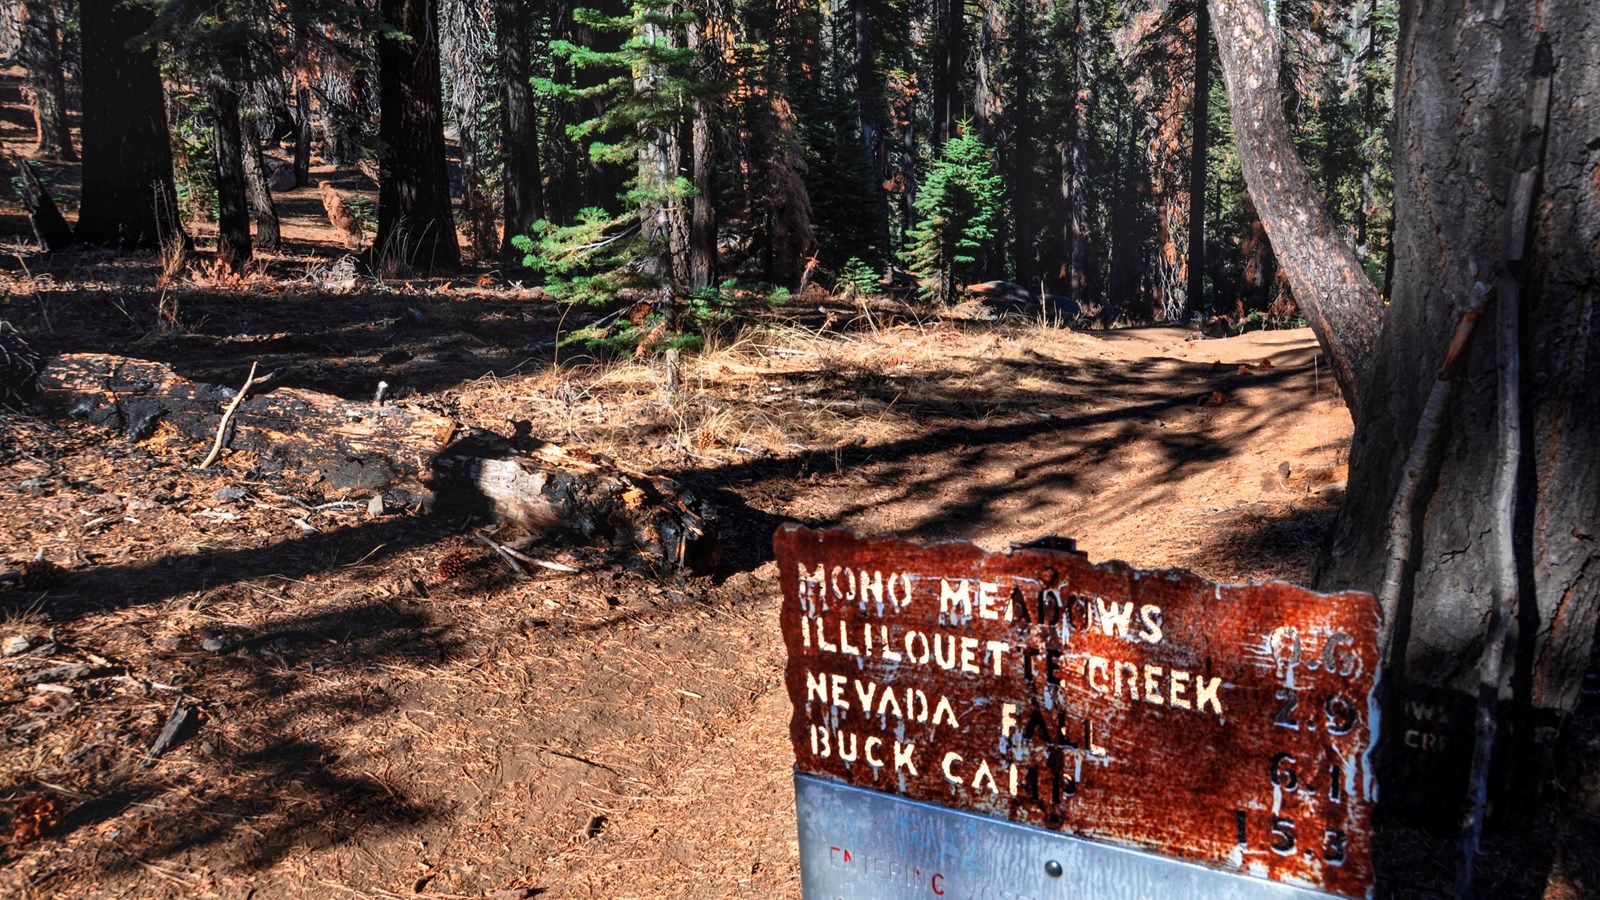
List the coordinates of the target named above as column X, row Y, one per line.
column 1224, row 725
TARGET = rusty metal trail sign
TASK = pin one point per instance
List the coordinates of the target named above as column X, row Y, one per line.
column 1223, row 725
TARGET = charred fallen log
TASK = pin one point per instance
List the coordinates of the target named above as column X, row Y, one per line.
column 547, row 490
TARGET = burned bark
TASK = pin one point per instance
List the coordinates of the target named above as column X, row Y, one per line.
column 257, row 189
column 227, row 147
column 415, row 226
column 128, row 193
column 49, row 228
column 407, row 455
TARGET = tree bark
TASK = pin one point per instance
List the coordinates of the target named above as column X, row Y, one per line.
column 301, row 109
column 1073, row 249
column 519, row 125
column 227, row 148
column 257, row 191
column 1334, row 292
column 1461, row 111
column 128, row 197
column 1200, row 125
column 41, row 57
column 703, row 208
column 465, row 31
column 414, row 221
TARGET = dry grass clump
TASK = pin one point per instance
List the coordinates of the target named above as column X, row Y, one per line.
column 783, row 389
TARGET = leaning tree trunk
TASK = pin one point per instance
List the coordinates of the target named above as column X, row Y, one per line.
column 227, row 147
column 1334, row 292
column 1464, row 111
column 515, row 22
column 414, row 222
column 41, row 57
column 128, row 197
column 257, row 190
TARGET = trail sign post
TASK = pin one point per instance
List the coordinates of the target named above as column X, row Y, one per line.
column 1028, row 724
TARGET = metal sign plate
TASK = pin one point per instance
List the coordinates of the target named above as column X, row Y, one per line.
column 856, row 843
column 1224, row 725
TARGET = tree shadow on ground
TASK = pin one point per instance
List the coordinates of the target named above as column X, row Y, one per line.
column 1026, row 434
column 255, row 773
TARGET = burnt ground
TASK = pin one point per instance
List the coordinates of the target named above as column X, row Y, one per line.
column 379, row 708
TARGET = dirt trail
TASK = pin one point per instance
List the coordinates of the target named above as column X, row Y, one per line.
column 1146, row 468
column 375, row 727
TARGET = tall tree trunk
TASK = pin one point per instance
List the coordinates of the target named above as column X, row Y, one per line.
column 302, row 102
column 519, row 125
column 41, row 58
column 703, row 208
column 1022, row 187
column 128, row 197
column 988, row 101
column 414, row 221
column 947, row 91
column 870, row 110
column 1309, row 245
column 227, row 148
column 465, row 30
column 1471, row 136
column 257, row 191
column 1194, row 295
column 660, row 158
column 1069, row 149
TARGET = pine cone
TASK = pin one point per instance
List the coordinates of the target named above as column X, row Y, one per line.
column 39, row 575
column 454, row 564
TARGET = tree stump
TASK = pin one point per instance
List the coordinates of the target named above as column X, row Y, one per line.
column 548, row 490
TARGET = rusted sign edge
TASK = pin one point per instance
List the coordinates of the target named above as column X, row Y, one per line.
column 1026, row 549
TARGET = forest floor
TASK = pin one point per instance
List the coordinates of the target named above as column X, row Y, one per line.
column 373, row 725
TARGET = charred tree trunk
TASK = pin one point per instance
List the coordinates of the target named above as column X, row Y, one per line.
column 404, row 455
column 257, row 191
column 1200, row 124
column 414, row 221
column 227, row 147
column 128, row 195
column 519, row 125
column 49, row 228
column 41, row 57
column 1021, row 117
column 871, row 115
column 1334, row 292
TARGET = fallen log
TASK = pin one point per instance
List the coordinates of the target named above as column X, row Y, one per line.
column 405, row 453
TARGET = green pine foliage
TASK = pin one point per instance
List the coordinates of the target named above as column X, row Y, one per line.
column 959, row 211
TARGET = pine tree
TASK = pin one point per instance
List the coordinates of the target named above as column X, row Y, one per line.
column 958, row 214
column 649, row 98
